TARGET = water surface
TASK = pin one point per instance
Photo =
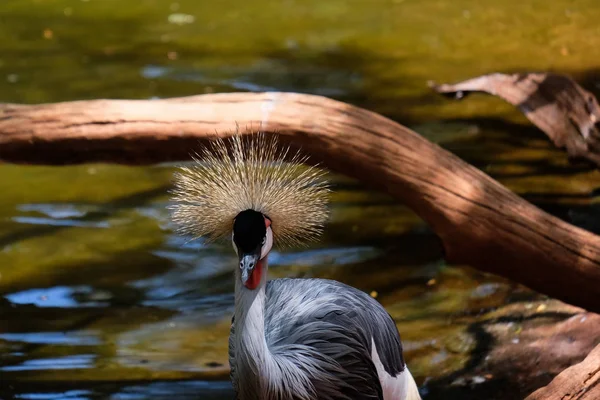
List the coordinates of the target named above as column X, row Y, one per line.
column 100, row 300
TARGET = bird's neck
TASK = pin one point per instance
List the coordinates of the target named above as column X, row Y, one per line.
column 252, row 355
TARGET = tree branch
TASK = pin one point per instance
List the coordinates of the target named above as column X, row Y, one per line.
column 555, row 103
column 579, row 382
column 480, row 222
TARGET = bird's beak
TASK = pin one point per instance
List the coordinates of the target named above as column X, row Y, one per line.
column 247, row 264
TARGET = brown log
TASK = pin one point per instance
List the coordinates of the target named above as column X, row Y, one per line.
column 555, row 103
column 480, row 222
column 579, row 382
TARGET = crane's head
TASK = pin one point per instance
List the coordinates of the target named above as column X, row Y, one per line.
column 250, row 190
column 252, row 241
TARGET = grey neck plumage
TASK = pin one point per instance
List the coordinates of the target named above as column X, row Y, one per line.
column 251, row 350
column 261, row 373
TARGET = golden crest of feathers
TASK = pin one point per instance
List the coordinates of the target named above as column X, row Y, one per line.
column 250, row 173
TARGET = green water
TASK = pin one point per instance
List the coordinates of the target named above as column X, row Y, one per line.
column 99, row 299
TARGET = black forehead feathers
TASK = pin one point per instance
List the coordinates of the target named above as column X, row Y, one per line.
column 249, row 230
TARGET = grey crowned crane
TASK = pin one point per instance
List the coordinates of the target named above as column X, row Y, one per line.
column 291, row 339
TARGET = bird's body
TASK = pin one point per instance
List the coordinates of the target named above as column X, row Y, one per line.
column 331, row 337
column 291, row 339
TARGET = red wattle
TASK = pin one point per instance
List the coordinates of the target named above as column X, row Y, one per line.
column 255, row 275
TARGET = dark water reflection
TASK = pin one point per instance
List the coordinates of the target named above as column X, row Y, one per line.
column 186, row 390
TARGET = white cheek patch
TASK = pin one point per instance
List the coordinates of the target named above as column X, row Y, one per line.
column 266, row 248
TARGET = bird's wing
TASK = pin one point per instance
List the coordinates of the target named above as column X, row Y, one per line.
column 353, row 368
column 341, row 323
column 293, row 302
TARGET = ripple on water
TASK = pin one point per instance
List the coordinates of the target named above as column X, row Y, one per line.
column 265, row 75
column 67, row 395
column 75, row 338
column 180, row 390
column 59, row 214
column 61, row 222
column 57, row 211
column 76, row 361
column 327, row 256
column 157, row 391
column 194, row 277
column 159, row 213
column 60, row 296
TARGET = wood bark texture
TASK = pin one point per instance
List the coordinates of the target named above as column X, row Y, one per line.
column 480, row 222
column 579, row 382
column 555, row 103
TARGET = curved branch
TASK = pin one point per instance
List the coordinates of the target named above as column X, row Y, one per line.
column 579, row 382
column 480, row 222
